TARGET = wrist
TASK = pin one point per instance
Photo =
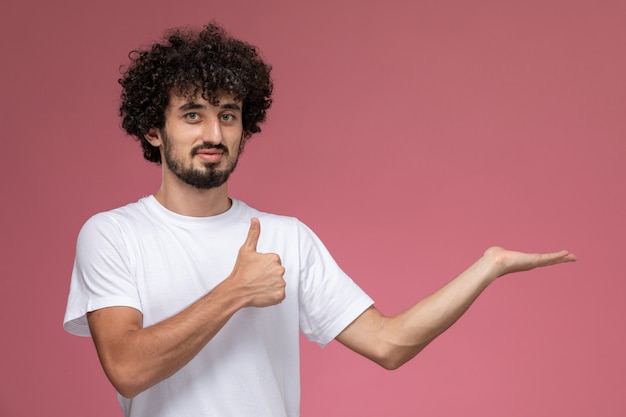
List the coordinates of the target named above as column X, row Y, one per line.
column 494, row 259
column 229, row 296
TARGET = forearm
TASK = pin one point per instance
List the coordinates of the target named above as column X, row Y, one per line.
column 141, row 357
column 391, row 341
column 407, row 333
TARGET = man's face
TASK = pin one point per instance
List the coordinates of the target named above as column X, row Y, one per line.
column 201, row 141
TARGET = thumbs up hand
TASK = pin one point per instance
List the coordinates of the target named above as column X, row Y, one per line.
column 258, row 276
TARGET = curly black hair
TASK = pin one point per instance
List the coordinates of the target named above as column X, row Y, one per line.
column 186, row 62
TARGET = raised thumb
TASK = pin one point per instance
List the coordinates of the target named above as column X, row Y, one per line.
column 253, row 235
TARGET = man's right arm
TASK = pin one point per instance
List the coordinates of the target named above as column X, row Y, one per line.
column 135, row 358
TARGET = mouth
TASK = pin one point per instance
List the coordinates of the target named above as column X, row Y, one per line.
column 210, row 154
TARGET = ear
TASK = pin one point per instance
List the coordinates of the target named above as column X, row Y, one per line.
column 154, row 137
column 242, row 142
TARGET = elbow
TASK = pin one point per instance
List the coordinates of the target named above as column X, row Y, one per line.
column 398, row 356
column 125, row 380
column 127, row 390
column 392, row 363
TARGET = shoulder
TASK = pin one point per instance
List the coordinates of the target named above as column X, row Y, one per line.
column 115, row 221
column 270, row 219
column 276, row 226
column 291, row 233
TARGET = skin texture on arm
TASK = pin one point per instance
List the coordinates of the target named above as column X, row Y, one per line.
column 392, row 341
column 135, row 358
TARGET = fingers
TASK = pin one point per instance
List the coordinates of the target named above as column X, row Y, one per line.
column 252, row 241
column 557, row 258
column 260, row 276
column 253, row 235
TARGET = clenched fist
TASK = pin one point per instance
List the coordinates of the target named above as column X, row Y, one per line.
column 258, row 276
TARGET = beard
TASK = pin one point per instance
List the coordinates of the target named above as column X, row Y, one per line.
column 202, row 178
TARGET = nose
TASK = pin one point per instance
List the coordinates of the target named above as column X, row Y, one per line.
column 212, row 132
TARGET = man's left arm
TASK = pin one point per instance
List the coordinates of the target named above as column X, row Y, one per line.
column 392, row 341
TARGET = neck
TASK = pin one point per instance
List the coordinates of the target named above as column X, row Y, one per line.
column 190, row 201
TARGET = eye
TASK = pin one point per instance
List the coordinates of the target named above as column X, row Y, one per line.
column 227, row 117
column 193, row 116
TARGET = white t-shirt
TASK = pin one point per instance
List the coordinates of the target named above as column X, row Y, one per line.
column 149, row 258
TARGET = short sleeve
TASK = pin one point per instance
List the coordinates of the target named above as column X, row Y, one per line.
column 102, row 275
column 329, row 299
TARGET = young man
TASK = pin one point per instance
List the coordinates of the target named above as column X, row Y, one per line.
column 195, row 300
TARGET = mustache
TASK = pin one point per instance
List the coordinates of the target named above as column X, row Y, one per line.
column 219, row 146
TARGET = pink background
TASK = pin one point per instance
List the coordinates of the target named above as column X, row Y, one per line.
column 410, row 135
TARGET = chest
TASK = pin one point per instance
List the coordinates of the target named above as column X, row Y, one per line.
column 174, row 268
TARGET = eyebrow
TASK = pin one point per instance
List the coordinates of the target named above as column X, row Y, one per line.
column 192, row 105
column 231, row 106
